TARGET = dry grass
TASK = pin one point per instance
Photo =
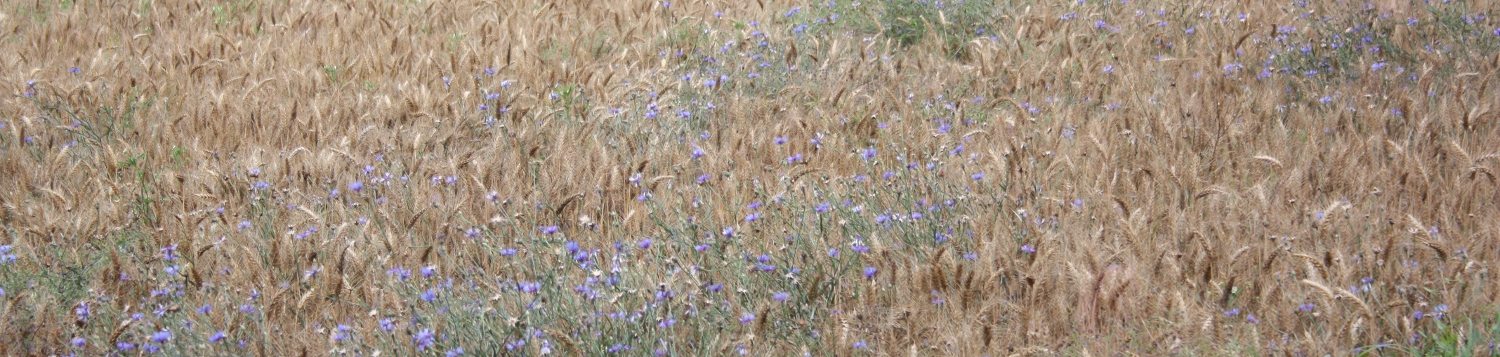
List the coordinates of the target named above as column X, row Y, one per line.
column 1173, row 181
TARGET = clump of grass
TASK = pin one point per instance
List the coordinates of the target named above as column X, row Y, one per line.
column 833, row 178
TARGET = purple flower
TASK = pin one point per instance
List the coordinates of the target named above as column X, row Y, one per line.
column 823, row 207
column 205, row 309
column 868, row 154
column 644, row 244
column 429, row 295
column 977, row 176
column 386, row 325
column 458, row 351
column 794, row 158
column 79, row 341
column 860, row 344
column 833, row 252
column 781, row 296
column 356, row 186
column 423, row 339
column 218, row 336
column 728, row 232
column 161, row 336
column 746, row 318
column 1028, row 249
column 752, row 216
column 548, row 230
column 125, row 346
column 1232, row 312
column 401, row 273
column 870, row 272
column 1251, row 319
column 82, row 310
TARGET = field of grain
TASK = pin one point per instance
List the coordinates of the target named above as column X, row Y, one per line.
column 764, row 178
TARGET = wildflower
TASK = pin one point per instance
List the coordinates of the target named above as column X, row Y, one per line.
column 423, row 339
column 217, row 336
column 794, row 158
column 703, row 178
column 472, row 232
column 833, row 252
column 780, row 297
column 728, row 232
column 822, row 207
column 205, row 309
column 746, row 318
column 457, row 351
column 548, row 230
column 977, row 176
column 645, row 243
column 125, row 346
column 860, row 344
column 401, row 273
column 1028, row 249
column 386, row 325
column 752, row 217
column 341, row 332
column 1306, row 307
column 429, row 295
column 1232, row 312
column 1109, row 68
column 151, row 348
column 700, row 247
column 161, row 336
column 868, row 154
column 870, row 272
column 82, row 311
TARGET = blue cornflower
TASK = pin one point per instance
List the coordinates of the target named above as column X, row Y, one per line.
column 423, row 339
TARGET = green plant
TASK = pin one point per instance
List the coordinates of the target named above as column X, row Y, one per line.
column 910, row 22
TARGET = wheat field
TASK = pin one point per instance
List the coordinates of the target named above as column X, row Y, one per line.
column 767, row 178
